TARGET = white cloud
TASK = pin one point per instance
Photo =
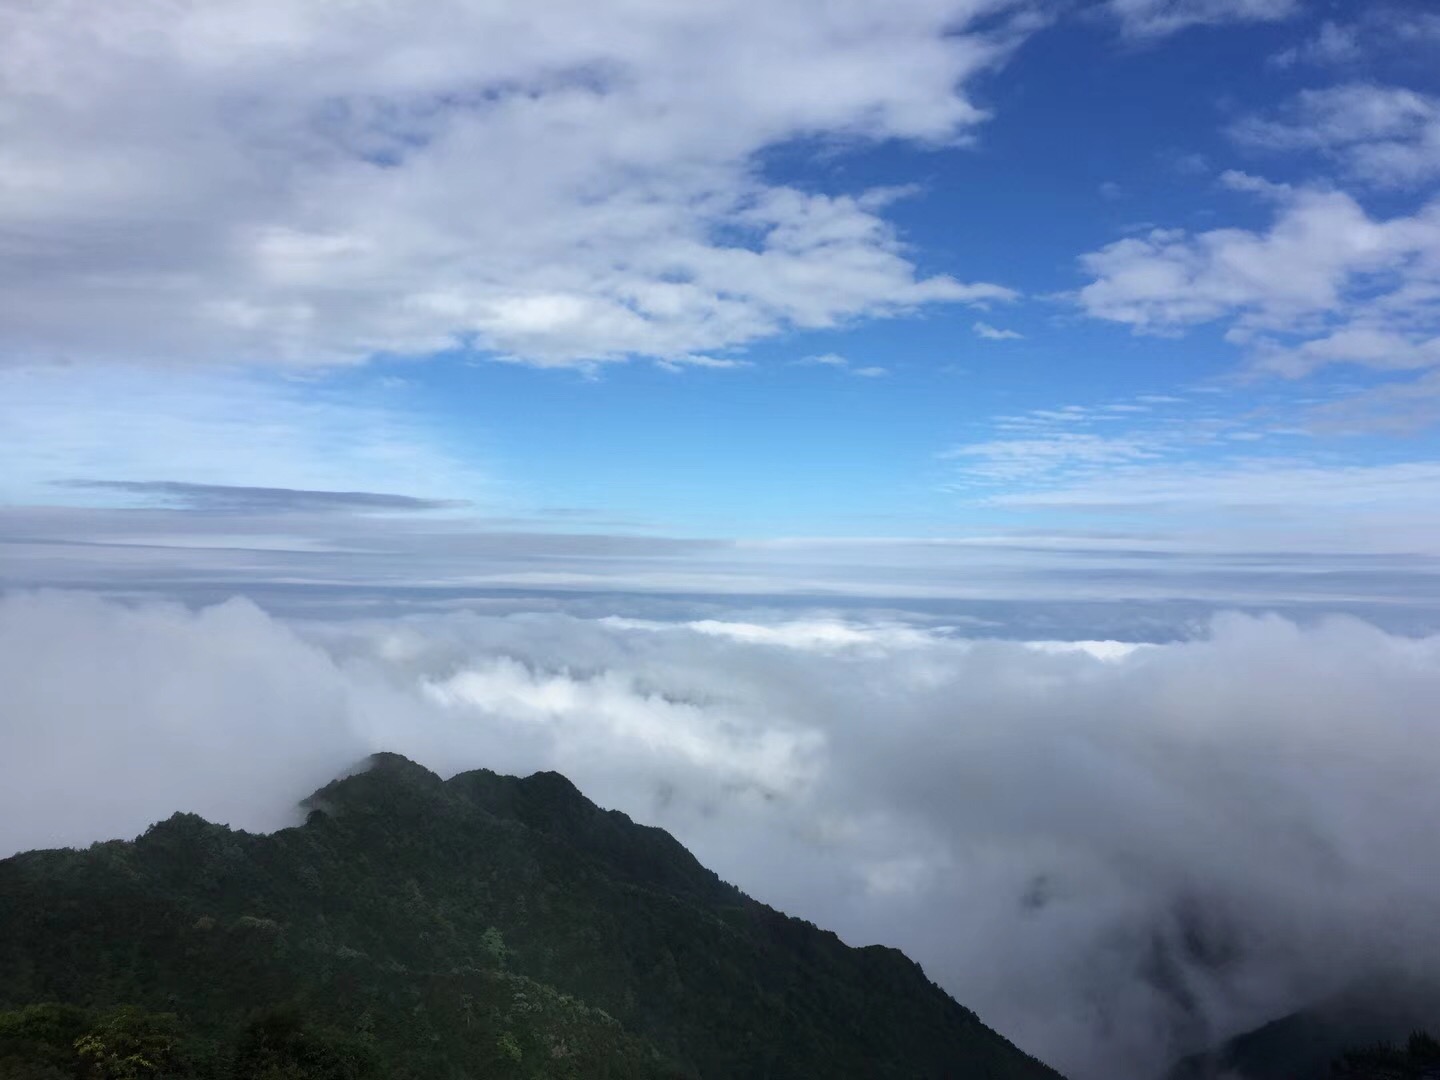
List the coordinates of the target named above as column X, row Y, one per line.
column 176, row 707
column 990, row 333
column 1259, row 186
column 1333, row 43
column 1382, row 135
column 1006, row 460
column 1380, row 31
column 1100, row 650
column 713, row 363
column 1157, row 18
column 835, row 360
column 1036, row 823
column 298, row 183
column 711, row 737
column 1325, row 283
column 818, row 634
column 1361, row 341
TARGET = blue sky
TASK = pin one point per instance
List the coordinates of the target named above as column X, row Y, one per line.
column 1154, row 272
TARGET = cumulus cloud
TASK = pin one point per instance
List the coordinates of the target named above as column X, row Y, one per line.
column 1382, row 135
column 1300, row 267
column 301, row 183
column 1326, row 283
column 1159, row 18
column 1114, row 854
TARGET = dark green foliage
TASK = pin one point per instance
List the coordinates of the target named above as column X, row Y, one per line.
column 279, row 1046
column 482, row 927
column 38, row 1042
column 127, row 1043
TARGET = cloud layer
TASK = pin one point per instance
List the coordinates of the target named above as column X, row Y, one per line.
column 1114, row 853
column 307, row 183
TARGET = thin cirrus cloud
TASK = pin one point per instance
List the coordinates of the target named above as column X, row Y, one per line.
column 1263, row 486
column 1228, row 466
column 1006, row 460
column 297, row 183
column 842, row 363
column 1160, row 18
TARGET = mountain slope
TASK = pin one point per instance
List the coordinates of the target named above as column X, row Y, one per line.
column 481, row 926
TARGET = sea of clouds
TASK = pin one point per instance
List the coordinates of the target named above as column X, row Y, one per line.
column 1113, row 852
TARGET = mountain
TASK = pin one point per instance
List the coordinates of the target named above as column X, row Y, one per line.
column 476, row 927
column 1373, row 1031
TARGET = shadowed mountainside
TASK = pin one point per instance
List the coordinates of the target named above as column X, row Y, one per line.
column 481, row 926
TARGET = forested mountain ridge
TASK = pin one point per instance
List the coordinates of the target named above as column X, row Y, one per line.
column 480, row 926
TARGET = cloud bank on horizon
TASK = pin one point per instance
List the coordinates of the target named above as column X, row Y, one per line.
column 1114, row 853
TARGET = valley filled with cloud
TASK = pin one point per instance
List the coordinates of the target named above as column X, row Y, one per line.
column 1114, row 852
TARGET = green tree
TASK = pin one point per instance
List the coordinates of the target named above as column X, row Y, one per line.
column 38, row 1041
column 130, row 1044
column 279, row 1045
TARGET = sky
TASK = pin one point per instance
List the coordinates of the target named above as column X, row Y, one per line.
column 968, row 468
column 1144, row 274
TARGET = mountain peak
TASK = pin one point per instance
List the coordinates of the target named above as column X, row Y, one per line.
column 481, row 912
column 398, row 766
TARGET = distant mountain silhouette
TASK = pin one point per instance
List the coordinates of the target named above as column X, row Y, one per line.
column 1373, row 1032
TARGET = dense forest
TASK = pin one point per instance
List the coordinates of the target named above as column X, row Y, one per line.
column 484, row 926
